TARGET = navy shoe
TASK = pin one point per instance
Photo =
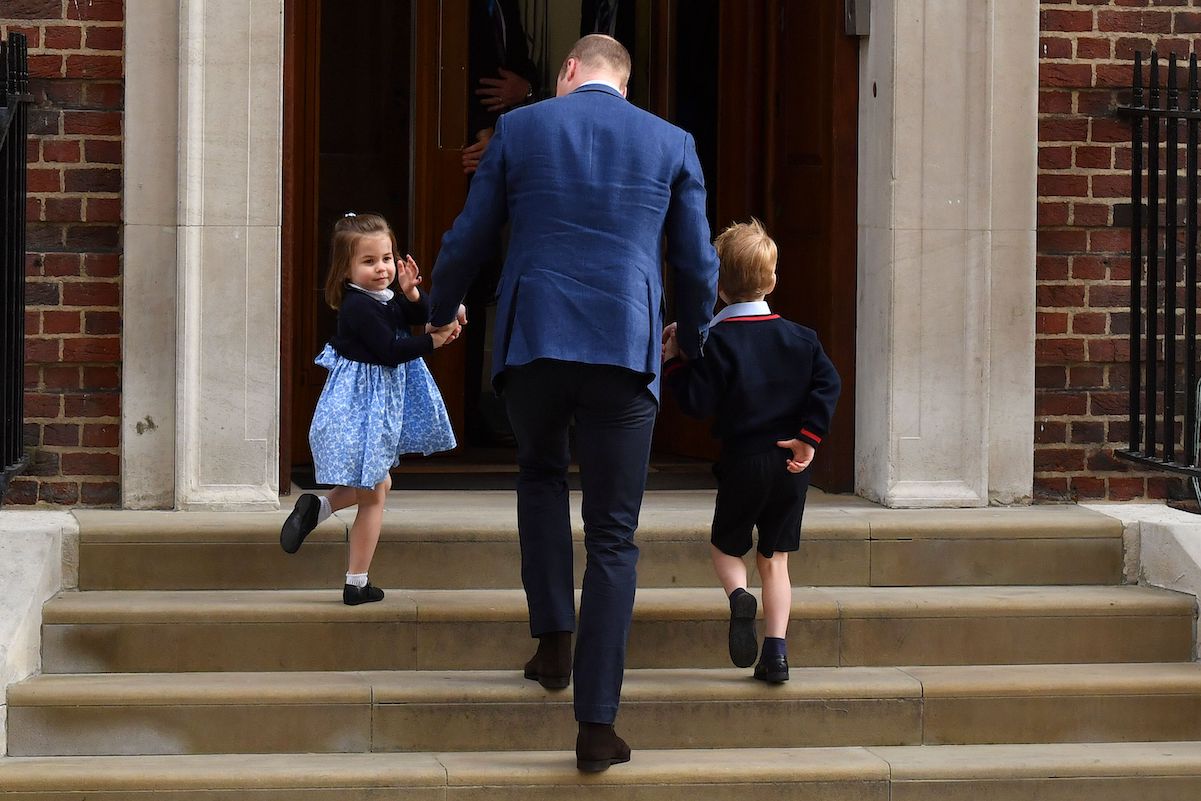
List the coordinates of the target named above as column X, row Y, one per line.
column 773, row 669
column 551, row 664
column 744, row 647
column 597, row 748
column 353, row 596
column 300, row 523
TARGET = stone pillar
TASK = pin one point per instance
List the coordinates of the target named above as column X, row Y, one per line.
column 947, row 156
column 230, row 128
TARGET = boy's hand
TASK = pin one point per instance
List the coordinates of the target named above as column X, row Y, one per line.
column 671, row 345
column 408, row 277
column 802, row 454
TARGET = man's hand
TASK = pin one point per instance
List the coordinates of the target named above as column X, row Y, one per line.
column 802, row 454
column 461, row 314
column 497, row 94
column 671, row 345
column 473, row 153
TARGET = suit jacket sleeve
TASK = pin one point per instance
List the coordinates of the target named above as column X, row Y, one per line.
column 470, row 239
column 416, row 312
column 824, row 389
column 690, row 253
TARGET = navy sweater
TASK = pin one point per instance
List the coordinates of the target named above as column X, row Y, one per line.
column 378, row 333
column 766, row 379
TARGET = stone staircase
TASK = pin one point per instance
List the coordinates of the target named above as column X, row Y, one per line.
column 987, row 655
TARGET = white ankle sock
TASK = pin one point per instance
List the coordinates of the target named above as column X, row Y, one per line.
column 325, row 511
column 356, row 579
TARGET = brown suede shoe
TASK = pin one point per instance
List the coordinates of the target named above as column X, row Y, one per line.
column 551, row 663
column 597, row 748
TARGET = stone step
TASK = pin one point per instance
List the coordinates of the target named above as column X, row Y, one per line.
column 202, row 713
column 1098, row 772
column 149, row 631
column 449, row 540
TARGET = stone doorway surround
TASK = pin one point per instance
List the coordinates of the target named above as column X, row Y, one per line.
column 947, row 155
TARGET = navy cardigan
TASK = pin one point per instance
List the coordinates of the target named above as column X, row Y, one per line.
column 378, row 333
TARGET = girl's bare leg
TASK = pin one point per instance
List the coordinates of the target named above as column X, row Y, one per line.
column 364, row 533
column 777, row 593
column 341, row 497
column 731, row 570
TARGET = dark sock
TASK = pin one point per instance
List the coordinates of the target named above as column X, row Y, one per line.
column 734, row 595
column 772, row 647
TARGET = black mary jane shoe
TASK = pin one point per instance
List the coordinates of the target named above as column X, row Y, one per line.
column 300, row 523
column 744, row 646
column 772, row 669
column 353, row 596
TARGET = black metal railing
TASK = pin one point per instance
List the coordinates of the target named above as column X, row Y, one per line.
column 1163, row 267
column 14, row 129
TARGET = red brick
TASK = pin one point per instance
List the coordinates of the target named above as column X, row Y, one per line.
column 92, row 237
column 1051, row 489
column 1109, row 239
column 1089, row 323
column 60, row 434
column 1187, row 22
column 1054, row 158
column 104, row 376
column 1108, row 350
column 1084, row 214
column 33, row 9
column 33, row 322
column 1051, row 323
column 1055, row 47
column 1054, row 101
column 1058, row 460
column 1061, row 241
column 63, row 493
column 61, row 264
column 1104, row 461
column 1086, row 376
column 1088, row 432
column 22, row 491
column 45, row 66
column 41, row 350
column 1134, row 22
column 1114, row 75
column 1062, row 186
column 1127, row 46
column 1088, row 268
column 64, row 209
column 108, row 37
column 63, row 37
column 1060, row 404
column 92, row 405
column 97, row 322
column 92, row 349
column 1066, row 21
column 1087, row 487
column 1110, row 185
column 60, row 322
column 102, row 209
column 42, row 180
column 92, row 123
column 1095, row 103
column 102, row 436
column 61, row 151
column 1059, row 295
column 1052, row 213
column 60, row 376
column 1093, row 48
column 90, row 464
column 1051, row 268
column 1052, row 432
column 44, row 406
column 94, row 67
column 91, row 293
column 105, row 94
column 102, row 151
column 1108, row 403
column 1062, row 130
column 1126, row 488
column 97, row 10
column 32, row 34
column 100, row 494
column 102, row 265
column 1110, row 131
column 1094, row 158
column 1108, row 296
column 1059, row 351
column 33, row 209
column 93, row 179
column 1065, row 75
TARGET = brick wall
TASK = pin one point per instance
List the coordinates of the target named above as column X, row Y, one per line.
column 73, row 271
column 1086, row 49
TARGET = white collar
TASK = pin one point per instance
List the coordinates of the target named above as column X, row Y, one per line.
column 597, row 81
column 747, row 308
column 382, row 295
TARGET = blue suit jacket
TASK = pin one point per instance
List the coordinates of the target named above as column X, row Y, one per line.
column 590, row 185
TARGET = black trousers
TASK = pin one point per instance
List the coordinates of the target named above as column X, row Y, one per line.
column 614, row 414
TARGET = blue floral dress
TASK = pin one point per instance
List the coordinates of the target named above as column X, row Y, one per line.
column 370, row 414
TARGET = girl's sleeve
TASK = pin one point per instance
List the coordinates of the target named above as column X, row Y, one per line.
column 416, row 312
column 369, row 324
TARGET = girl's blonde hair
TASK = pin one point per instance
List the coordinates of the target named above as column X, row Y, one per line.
column 748, row 260
column 347, row 232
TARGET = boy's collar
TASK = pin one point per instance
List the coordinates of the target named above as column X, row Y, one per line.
column 747, row 308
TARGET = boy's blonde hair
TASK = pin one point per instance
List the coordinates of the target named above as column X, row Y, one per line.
column 748, row 260
column 347, row 232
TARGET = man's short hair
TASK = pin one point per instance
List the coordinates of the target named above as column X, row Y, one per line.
column 597, row 51
column 748, row 260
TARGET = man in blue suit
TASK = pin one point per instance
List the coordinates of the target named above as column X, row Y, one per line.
column 590, row 186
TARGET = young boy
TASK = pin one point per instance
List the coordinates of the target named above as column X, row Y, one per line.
column 772, row 390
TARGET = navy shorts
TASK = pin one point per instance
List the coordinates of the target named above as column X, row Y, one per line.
column 757, row 491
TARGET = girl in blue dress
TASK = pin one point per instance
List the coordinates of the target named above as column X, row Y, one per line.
column 379, row 400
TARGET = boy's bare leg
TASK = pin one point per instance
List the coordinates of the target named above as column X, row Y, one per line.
column 777, row 593
column 731, row 570
column 364, row 533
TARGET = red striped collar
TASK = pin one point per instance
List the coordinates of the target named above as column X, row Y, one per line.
column 751, row 318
